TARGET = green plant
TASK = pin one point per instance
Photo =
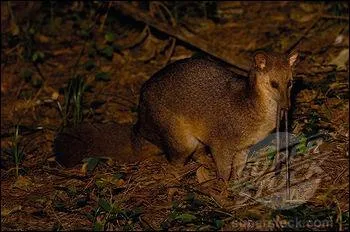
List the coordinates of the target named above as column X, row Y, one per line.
column 107, row 212
column 302, row 146
column 271, row 153
column 73, row 100
column 102, row 76
column 16, row 150
column 311, row 126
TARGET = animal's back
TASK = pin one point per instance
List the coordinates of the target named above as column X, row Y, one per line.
column 192, row 84
column 194, row 94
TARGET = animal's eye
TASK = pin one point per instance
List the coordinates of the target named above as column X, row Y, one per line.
column 274, row 84
column 289, row 84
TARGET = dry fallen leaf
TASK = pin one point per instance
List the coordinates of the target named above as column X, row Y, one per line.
column 202, row 175
column 341, row 60
column 6, row 212
column 42, row 38
column 23, row 183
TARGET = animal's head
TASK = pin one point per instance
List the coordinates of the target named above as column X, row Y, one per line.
column 273, row 73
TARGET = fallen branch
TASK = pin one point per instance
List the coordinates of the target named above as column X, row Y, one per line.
column 304, row 35
column 346, row 18
column 218, row 52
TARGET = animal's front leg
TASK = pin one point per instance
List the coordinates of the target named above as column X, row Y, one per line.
column 223, row 161
column 238, row 163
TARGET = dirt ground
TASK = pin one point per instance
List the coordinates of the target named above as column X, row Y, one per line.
column 44, row 45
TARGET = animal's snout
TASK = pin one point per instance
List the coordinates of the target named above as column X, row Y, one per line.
column 285, row 106
column 285, row 101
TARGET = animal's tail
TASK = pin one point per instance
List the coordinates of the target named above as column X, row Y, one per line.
column 118, row 141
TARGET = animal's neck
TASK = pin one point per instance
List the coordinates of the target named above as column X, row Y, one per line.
column 262, row 100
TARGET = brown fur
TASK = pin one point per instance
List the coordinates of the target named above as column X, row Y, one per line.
column 197, row 102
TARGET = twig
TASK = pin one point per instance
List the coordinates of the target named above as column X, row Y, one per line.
column 57, row 172
column 105, row 16
column 144, row 223
column 192, row 169
column 175, row 31
column 341, row 173
column 306, row 32
column 156, row 6
column 138, row 40
column 335, row 17
column 287, row 156
column 20, row 88
column 205, row 182
column 54, row 213
column 39, row 71
column 277, row 160
column 170, row 52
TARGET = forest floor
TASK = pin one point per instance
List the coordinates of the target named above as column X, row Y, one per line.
column 45, row 45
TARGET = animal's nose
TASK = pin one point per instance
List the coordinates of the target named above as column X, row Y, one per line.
column 285, row 103
column 285, row 106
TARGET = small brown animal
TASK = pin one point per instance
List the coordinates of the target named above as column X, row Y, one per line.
column 195, row 103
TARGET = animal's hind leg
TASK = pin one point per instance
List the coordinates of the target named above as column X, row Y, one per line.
column 179, row 144
column 172, row 133
column 179, row 149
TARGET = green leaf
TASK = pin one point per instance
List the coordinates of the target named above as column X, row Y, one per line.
column 102, row 76
column 90, row 64
column 302, row 146
column 99, row 226
column 38, row 57
column 190, row 197
column 119, row 175
column 26, row 74
column 186, row 217
column 100, row 183
column 59, row 205
column 91, row 52
column 107, row 52
column 116, row 210
column 302, row 139
column 92, row 163
column 26, row 94
column 219, row 223
column 90, row 217
column 104, row 205
column 32, row 31
column 271, row 153
column 83, row 33
column 301, row 149
column 117, row 47
column 36, row 82
column 175, row 204
column 72, row 191
column 110, row 37
column 81, row 202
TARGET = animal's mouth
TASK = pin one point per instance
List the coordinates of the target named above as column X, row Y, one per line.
column 284, row 109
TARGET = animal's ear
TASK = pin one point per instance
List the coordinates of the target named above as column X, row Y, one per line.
column 292, row 57
column 260, row 60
